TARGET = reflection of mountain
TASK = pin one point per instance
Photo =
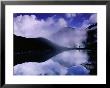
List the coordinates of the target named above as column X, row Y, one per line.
column 34, row 49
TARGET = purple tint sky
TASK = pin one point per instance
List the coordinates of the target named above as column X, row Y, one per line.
column 73, row 21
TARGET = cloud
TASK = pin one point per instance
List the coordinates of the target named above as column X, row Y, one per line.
column 62, row 23
column 69, row 37
column 70, row 15
column 30, row 26
column 93, row 18
column 71, row 58
column 45, row 68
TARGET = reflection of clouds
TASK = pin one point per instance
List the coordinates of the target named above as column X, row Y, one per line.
column 62, row 64
column 70, row 58
column 77, row 70
column 46, row 68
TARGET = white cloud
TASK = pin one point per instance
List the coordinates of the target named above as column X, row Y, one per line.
column 62, row 23
column 70, row 15
column 30, row 26
column 93, row 18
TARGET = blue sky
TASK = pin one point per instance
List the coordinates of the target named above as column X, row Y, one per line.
column 73, row 21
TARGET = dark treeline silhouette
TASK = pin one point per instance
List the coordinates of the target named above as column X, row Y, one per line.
column 92, row 45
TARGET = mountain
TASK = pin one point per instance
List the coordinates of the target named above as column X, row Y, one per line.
column 34, row 49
